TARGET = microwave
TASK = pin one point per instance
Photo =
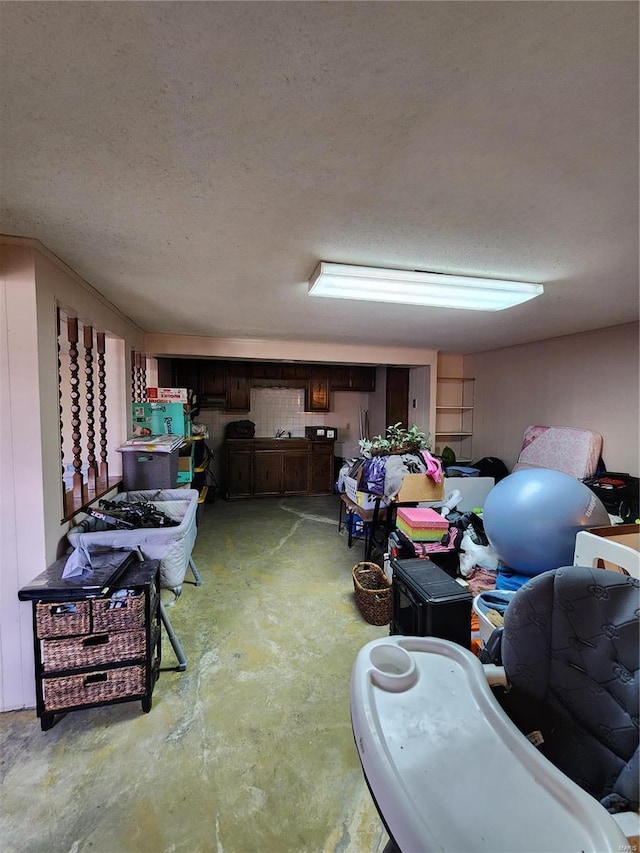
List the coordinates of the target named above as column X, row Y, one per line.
column 325, row 433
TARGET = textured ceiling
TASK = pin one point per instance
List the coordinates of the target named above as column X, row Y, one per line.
column 194, row 161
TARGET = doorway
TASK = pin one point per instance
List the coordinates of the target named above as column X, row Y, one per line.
column 397, row 405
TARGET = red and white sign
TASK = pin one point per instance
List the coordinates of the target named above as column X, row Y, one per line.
column 167, row 395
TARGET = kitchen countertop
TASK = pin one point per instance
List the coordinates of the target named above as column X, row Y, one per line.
column 285, row 438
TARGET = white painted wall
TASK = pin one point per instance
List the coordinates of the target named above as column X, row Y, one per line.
column 421, row 392
column 197, row 347
column 22, row 522
column 345, row 415
column 589, row 381
column 32, row 283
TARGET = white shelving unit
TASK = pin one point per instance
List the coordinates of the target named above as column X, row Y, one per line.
column 454, row 416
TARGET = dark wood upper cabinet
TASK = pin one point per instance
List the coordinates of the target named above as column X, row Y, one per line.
column 216, row 381
column 317, row 391
column 339, row 378
column 363, row 378
column 238, row 389
column 352, row 378
column 187, row 374
column 165, row 373
column 265, row 370
column 205, row 377
column 295, row 371
column 213, row 378
column 278, row 374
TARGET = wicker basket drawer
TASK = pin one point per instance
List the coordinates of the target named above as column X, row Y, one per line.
column 92, row 650
column 118, row 613
column 92, row 687
column 61, row 619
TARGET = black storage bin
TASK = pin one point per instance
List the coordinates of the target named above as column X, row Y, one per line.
column 427, row 602
column 620, row 493
column 149, row 469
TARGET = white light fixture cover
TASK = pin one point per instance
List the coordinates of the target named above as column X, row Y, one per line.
column 439, row 290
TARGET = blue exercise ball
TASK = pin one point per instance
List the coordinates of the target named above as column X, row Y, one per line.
column 532, row 516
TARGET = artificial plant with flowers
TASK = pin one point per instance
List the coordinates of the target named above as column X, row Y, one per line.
column 396, row 440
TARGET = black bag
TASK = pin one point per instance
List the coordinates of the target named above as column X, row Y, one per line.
column 620, row 493
column 240, row 429
column 489, row 466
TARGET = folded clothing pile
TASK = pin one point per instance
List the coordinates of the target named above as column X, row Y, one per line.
column 421, row 524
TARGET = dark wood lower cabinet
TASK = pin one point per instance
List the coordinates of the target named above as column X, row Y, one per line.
column 267, row 472
column 295, row 473
column 321, row 468
column 262, row 467
column 239, row 470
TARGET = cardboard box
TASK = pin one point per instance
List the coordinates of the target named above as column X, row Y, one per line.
column 363, row 499
column 184, row 473
column 167, row 395
column 419, row 487
column 616, row 548
column 159, row 419
column 415, row 488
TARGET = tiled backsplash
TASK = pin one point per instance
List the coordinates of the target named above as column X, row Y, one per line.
column 272, row 409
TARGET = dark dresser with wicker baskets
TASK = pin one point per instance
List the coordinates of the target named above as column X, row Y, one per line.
column 97, row 636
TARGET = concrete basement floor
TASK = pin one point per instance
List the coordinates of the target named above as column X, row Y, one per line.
column 250, row 749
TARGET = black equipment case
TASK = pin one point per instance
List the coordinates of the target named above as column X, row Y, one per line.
column 620, row 493
column 427, row 602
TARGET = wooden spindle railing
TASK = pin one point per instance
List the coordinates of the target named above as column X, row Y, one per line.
column 60, row 412
column 72, row 336
column 134, row 387
column 83, row 417
column 102, row 408
column 92, row 465
column 142, row 375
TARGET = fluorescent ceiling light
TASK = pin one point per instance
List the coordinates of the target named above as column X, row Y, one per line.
column 341, row 281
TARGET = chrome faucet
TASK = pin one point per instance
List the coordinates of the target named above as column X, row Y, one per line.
column 280, row 433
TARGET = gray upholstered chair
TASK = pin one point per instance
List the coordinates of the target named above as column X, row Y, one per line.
column 570, row 650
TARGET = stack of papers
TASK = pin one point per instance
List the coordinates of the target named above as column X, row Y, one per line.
column 156, row 443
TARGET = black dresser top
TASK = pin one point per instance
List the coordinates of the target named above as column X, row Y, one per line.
column 111, row 569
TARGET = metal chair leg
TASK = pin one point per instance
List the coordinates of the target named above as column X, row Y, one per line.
column 175, row 642
column 195, row 572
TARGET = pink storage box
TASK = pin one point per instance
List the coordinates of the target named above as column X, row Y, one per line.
column 421, row 524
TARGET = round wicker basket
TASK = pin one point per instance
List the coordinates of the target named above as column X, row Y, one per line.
column 373, row 593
